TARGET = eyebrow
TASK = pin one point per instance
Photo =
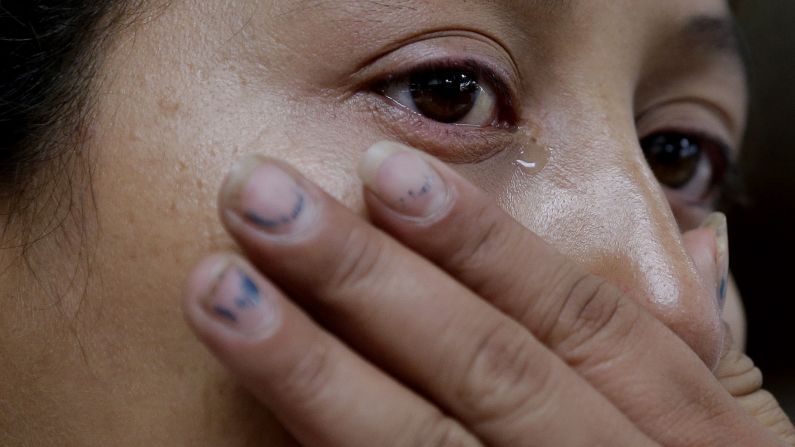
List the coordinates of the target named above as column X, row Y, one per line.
column 714, row 34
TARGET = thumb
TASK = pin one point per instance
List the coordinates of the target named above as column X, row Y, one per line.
column 740, row 377
column 708, row 248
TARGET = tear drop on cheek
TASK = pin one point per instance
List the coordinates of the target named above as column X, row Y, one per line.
column 530, row 156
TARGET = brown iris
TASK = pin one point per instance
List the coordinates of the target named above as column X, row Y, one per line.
column 444, row 95
column 673, row 157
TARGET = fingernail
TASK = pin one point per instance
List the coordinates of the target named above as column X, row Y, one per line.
column 717, row 223
column 403, row 180
column 268, row 198
column 239, row 303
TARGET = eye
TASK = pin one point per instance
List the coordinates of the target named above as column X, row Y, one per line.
column 447, row 95
column 688, row 163
column 462, row 109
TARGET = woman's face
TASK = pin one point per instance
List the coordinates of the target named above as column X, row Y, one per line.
column 542, row 103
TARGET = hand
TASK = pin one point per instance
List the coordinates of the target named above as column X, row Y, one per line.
column 442, row 323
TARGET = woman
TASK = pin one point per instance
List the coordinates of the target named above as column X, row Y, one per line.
column 540, row 274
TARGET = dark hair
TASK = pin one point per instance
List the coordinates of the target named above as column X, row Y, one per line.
column 48, row 55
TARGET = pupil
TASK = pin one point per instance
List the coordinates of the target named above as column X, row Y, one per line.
column 673, row 157
column 444, row 95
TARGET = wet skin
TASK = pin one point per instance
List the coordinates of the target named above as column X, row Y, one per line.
column 191, row 88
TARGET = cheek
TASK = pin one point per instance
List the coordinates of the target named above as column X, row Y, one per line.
column 160, row 173
column 156, row 186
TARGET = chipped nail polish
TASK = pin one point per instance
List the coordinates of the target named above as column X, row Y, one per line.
column 271, row 200
column 240, row 304
column 717, row 222
column 403, row 180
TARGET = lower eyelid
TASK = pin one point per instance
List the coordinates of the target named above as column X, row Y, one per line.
column 450, row 143
column 679, row 200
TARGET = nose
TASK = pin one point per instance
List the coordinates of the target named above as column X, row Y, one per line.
column 599, row 203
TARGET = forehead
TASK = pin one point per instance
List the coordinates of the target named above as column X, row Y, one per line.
column 517, row 12
column 331, row 34
column 334, row 23
column 542, row 7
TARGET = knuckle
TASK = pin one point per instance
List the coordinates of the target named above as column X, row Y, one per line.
column 504, row 374
column 440, row 431
column 558, row 285
column 698, row 326
column 594, row 316
column 738, row 374
column 764, row 407
column 360, row 256
column 309, row 375
column 475, row 252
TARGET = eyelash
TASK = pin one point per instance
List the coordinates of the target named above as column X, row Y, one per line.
column 724, row 178
column 507, row 113
column 460, row 136
column 453, row 143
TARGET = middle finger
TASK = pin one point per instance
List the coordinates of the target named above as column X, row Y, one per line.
column 627, row 354
column 411, row 318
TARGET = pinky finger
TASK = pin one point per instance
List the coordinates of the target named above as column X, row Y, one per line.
column 320, row 390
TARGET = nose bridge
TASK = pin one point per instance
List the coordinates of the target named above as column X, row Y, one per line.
column 631, row 238
column 647, row 255
column 598, row 201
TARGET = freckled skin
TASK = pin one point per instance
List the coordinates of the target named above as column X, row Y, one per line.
column 188, row 92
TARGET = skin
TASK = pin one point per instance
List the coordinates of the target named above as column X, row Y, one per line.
column 499, row 385
column 95, row 344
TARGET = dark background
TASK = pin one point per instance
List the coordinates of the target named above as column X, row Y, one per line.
column 762, row 231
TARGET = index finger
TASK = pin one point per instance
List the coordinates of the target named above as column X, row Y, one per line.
column 631, row 357
column 411, row 318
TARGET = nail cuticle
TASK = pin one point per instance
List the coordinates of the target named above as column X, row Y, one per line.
column 404, row 181
column 273, row 203
column 443, row 209
column 239, row 304
column 273, row 223
column 248, row 223
column 717, row 222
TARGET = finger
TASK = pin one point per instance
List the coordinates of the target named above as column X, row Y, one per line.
column 323, row 393
column 708, row 247
column 711, row 263
column 701, row 246
column 740, row 377
column 734, row 315
column 626, row 353
column 718, row 269
column 738, row 374
column 411, row 318
column 765, row 408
